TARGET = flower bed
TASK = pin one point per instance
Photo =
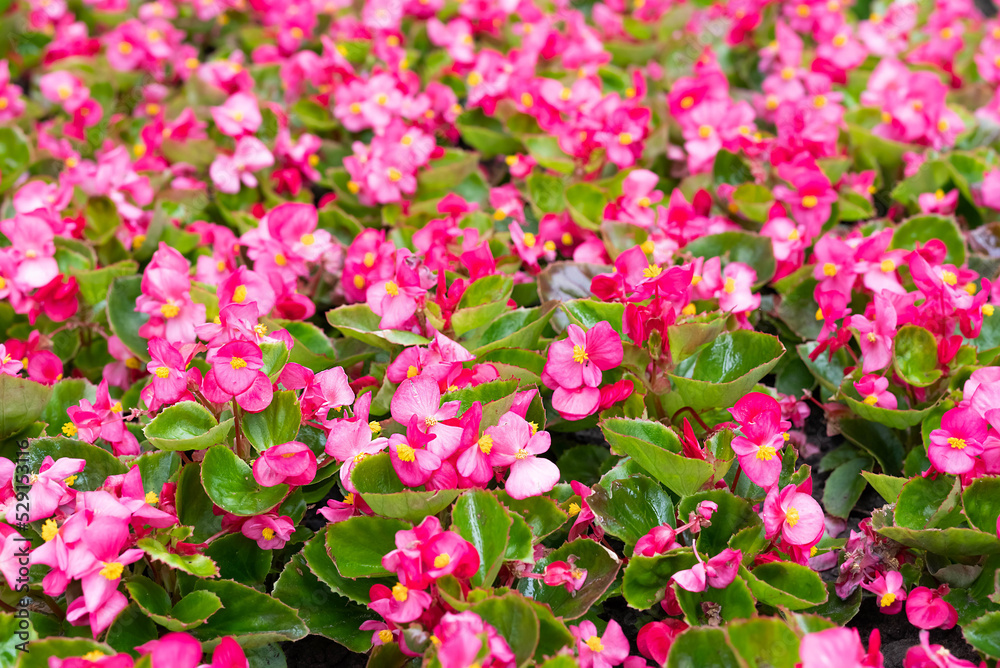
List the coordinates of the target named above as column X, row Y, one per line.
column 499, row 334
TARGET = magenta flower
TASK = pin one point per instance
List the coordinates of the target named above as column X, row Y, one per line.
column 659, row 540
column 796, row 516
column 291, row 463
column 655, row 638
column 462, row 636
column 517, row 445
column 763, row 435
column 927, row 609
column 419, row 399
column 926, row 655
column 839, row 648
column 954, row 446
column 874, row 391
column 876, row 336
column 579, row 359
column 176, row 650
column 448, row 553
column 236, row 365
column 167, row 368
column 229, row 171
column 889, row 591
column 270, row 531
column 49, row 489
column 604, row 651
column 413, row 462
column 399, row 605
column 239, row 116
column 561, row 573
column 718, row 572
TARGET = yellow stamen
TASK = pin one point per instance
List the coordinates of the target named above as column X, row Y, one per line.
column 152, row 498
column 69, row 429
column 49, row 529
column 573, row 510
column 792, row 517
column 829, row 269
column 887, row 600
column 730, row 286
column 580, row 354
column 521, row 454
column 595, row 644
column 766, row 453
column 112, row 570
column 871, row 400
column 957, row 443
column 169, row 310
column 652, row 271
column 529, row 240
column 405, row 453
column 391, row 289
column 162, row 372
column 442, row 560
column 809, row 201
column 485, row 444
column 887, row 266
column 949, row 277
column 400, row 592
column 238, row 363
column 385, row 635
column 239, row 294
column 267, row 533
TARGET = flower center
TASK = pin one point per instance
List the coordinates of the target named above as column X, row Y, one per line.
column 730, row 286
column 406, row 453
column 49, row 529
column 529, row 240
column 887, row 266
column 394, row 174
column 442, row 560
column 829, row 269
column 238, row 363
column 307, row 240
column 280, row 259
column 871, row 400
column 267, row 533
column 793, row 235
column 374, row 426
column 887, row 599
column 112, row 570
column 949, row 277
column 871, row 337
column 485, row 444
column 521, row 454
column 595, row 644
column 687, row 102
column 391, row 289
column 957, row 443
column 652, row 271
column 809, row 201
column 766, row 452
column 385, row 635
column 152, row 498
column 430, row 421
column 705, row 131
column 573, row 510
column 239, row 294
column 369, row 259
column 162, row 372
column 580, row 354
column 69, row 429
column 624, row 139
column 170, row 310
column 792, row 516
column 400, row 592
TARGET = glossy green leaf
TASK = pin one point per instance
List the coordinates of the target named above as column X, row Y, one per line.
column 39, row 651
column 984, row 634
column 189, row 612
column 21, row 403
column 270, row 621
column 230, row 484
column 514, row 618
column 765, row 642
column 981, row 500
column 196, row 564
column 630, row 508
column 131, row 628
column 887, row 486
column 100, row 462
column 923, row 502
column 924, row 228
column 123, row 318
column 844, row 487
column 479, row 517
column 787, row 584
column 547, row 192
column 321, row 564
column 735, row 602
column 486, row 134
column 186, row 426
column 915, row 356
column 655, row 448
column 359, row 322
column 586, row 205
column 728, row 368
column 702, row 647
column 156, row 469
column 240, row 559
column 482, row 303
column 751, row 249
column 601, row 565
column 542, row 515
column 14, row 157
column 276, row 424
column 734, row 514
column 358, row 544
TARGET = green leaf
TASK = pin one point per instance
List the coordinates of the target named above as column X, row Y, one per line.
column 486, row 134
column 586, row 313
column 374, row 475
column 102, row 220
column 324, row 612
column 359, row 322
column 764, row 642
column 546, row 152
column 753, row 201
column 270, row 621
column 123, row 317
column 322, row 566
column 630, row 508
column 730, row 168
column 783, row 583
column 728, row 369
column 734, row 514
column 39, row 651
column 520, row 328
column 655, row 448
column 735, row 602
column 514, row 618
column 647, row 578
column 854, row 206
column 410, row 505
column 194, row 508
column 484, row 393
column 890, row 417
column 601, row 565
column 924, row 228
column 94, row 283
column 230, row 484
column 982, row 503
column 950, row 542
column 314, row 116
column 878, row 440
column 186, row 426
column 482, row 303
column 687, row 338
column 586, row 205
column 100, row 462
column 156, row 469
column 131, row 628
column 191, row 611
column 275, row 355
column 276, row 424
column 547, row 192
column 541, row 513
column 196, row 564
column 923, row 502
column 67, row 392
column 14, row 157
column 915, row 356
column 479, row 518
column 702, row 647
column 751, row 249
column 844, row 487
column 14, row 632
column 21, row 403
column 887, row 486
column 240, row 559
column 446, row 172
column 358, row 544
column 984, row 634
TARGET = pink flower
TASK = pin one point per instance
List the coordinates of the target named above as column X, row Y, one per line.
column 517, row 445
column 839, row 648
column 413, row 462
column 174, row 650
column 889, row 591
column 239, row 115
column 874, row 391
column 876, row 336
column 927, row 609
column 291, row 463
column 926, row 655
column 580, row 358
column 228, row 172
column 655, row 638
column 236, row 365
column 659, row 540
column 953, row 447
column 595, row 651
column 270, row 531
column 763, row 435
column 49, row 489
column 167, row 368
column 399, row 605
column 448, row 553
column 796, row 516
column 560, row 573
column 718, row 572
column 462, row 636
column 419, row 398
column 737, row 294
